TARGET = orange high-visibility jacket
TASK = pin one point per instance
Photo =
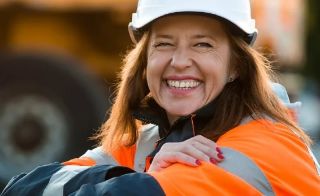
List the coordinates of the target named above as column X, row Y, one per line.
column 283, row 159
column 261, row 158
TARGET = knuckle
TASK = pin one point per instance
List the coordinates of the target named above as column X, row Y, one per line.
column 176, row 156
column 167, row 146
column 189, row 148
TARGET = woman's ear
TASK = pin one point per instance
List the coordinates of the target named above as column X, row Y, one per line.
column 230, row 79
column 233, row 74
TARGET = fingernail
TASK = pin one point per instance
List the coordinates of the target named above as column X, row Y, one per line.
column 198, row 162
column 220, row 156
column 213, row 161
column 218, row 150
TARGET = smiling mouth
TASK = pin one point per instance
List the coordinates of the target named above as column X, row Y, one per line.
column 183, row 84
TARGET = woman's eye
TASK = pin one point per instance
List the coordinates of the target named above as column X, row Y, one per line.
column 203, row 44
column 162, row 44
column 203, row 47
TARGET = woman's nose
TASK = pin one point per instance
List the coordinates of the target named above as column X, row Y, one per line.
column 181, row 58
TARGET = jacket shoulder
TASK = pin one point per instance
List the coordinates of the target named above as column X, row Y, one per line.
column 281, row 155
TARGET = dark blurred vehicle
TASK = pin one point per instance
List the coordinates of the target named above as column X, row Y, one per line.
column 57, row 62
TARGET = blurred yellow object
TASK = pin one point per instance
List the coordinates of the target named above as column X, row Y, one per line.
column 123, row 5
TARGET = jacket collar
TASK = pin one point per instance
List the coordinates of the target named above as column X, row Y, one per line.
column 150, row 112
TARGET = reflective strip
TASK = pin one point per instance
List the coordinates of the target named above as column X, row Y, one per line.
column 148, row 137
column 243, row 167
column 316, row 163
column 100, row 157
column 60, row 178
column 145, row 145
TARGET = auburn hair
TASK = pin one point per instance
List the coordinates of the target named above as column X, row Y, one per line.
column 250, row 94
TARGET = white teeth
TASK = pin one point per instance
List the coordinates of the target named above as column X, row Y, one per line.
column 185, row 84
column 182, row 84
column 175, row 84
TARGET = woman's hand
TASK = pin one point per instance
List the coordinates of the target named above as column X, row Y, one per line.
column 190, row 152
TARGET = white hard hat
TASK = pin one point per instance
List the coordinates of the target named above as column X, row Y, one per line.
column 238, row 12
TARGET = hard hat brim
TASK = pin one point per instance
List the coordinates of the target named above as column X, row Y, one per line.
column 136, row 28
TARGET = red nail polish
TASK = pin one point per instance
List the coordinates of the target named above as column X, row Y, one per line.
column 218, row 150
column 198, row 162
column 213, row 161
column 220, row 156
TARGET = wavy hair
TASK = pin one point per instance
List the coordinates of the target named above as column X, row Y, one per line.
column 250, row 94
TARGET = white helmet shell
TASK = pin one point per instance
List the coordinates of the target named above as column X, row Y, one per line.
column 237, row 12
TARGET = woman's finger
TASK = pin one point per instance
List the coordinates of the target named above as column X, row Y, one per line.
column 204, row 140
column 164, row 160
column 207, row 146
column 208, row 151
column 196, row 151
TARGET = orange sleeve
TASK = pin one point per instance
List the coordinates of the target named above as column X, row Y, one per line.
column 279, row 153
column 276, row 150
column 206, row 179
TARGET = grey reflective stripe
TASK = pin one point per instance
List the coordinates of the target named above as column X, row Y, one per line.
column 243, row 167
column 100, row 157
column 316, row 163
column 145, row 145
column 60, row 178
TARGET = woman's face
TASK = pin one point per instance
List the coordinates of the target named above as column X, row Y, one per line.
column 188, row 63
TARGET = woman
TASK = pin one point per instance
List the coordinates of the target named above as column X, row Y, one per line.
column 191, row 82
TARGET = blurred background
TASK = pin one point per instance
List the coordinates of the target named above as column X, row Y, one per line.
column 59, row 59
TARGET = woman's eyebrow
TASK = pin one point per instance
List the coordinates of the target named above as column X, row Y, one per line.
column 199, row 36
column 163, row 36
